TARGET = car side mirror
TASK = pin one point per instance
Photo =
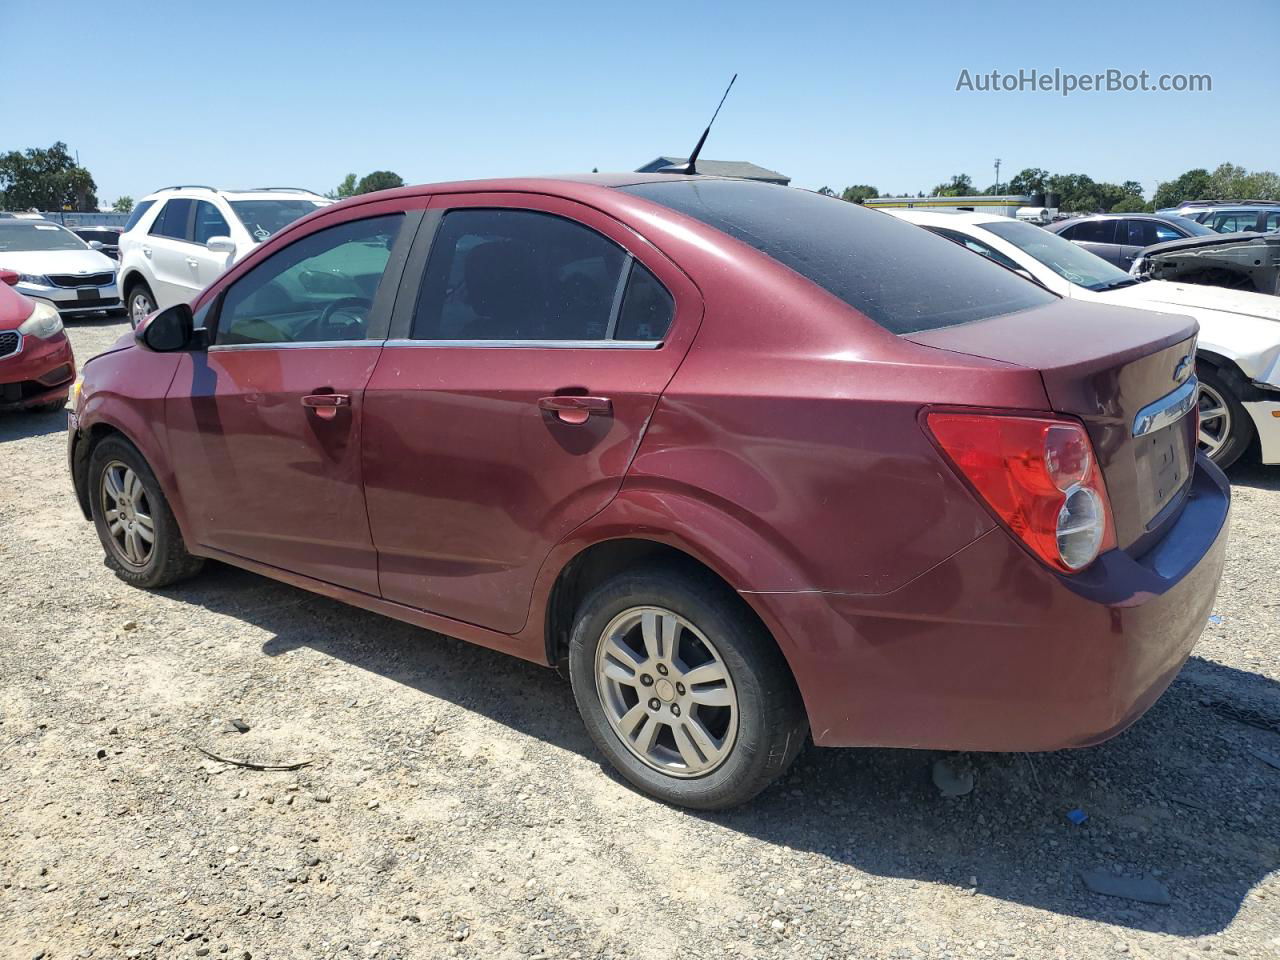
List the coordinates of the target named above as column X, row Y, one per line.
column 9, row 277
column 170, row 330
column 220, row 245
column 96, row 245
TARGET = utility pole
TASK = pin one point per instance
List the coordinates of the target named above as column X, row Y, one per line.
column 997, row 174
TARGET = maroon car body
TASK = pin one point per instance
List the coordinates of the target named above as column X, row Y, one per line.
column 35, row 372
column 776, row 435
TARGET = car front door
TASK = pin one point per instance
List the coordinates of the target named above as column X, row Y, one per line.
column 207, row 265
column 531, row 341
column 265, row 425
column 166, row 248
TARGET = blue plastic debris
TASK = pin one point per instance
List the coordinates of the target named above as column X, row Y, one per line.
column 1215, row 619
column 1077, row 816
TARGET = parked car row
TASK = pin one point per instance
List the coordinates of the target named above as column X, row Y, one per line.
column 751, row 464
column 1238, row 350
column 1232, row 216
column 56, row 267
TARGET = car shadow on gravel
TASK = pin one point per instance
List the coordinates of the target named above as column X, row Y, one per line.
column 24, row 424
column 1180, row 797
column 1249, row 471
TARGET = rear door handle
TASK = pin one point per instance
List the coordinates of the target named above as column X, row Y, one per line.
column 572, row 409
column 326, row 405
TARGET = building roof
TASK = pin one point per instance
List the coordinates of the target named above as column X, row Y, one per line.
column 720, row 168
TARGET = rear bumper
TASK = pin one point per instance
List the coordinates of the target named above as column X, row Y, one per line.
column 1266, row 419
column 990, row 650
column 41, row 372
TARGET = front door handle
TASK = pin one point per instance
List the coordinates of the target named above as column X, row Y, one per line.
column 573, row 409
column 193, row 263
column 146, row 251
column 326, row 405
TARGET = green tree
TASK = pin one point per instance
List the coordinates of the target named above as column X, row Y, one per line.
column 347, row 188
column 379, row 180
column 826, row 191
column 1030, row 182
column 958, row 186
column 859, row 193
column 45, row 180
column 123, row 204
column 1232, row 182
column 1193, row 185
column 1131, row 204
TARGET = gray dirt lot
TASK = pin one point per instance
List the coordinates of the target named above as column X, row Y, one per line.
column 454, row 806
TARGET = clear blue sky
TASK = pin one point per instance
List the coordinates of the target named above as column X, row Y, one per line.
column 239, row 94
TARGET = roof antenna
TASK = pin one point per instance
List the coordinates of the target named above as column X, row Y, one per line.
column 689, row 167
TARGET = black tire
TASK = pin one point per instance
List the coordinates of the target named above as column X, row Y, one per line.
column 771, row 725
column 1240, row 430
column 140, row 292
column 167, row 560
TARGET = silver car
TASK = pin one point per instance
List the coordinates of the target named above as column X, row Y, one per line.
column 56, row 266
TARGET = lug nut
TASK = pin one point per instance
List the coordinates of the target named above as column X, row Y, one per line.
column 653, row 704
column 675, row 709
column 646, row 680
column 662, row 669
column 680, row 689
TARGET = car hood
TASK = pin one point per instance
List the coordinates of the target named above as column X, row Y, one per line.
column 1235, row 324
column 1213, row 240
column 14, row 308
column 1161, row 293
column 57, row 261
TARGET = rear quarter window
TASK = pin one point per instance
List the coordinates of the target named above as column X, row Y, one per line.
column 899, row 275
column 138, row 212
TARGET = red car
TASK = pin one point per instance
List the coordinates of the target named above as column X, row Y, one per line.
column 749, row 461
column 37, row 367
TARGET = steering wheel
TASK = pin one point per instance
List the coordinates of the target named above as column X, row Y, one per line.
column 353, row 312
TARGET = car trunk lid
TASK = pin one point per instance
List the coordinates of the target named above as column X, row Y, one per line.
column 1125, row 374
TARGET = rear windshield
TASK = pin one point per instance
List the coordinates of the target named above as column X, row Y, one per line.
column 904, row 278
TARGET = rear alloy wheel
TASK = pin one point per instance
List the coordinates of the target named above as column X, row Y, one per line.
column 682, row 688
column 1225, row 428
column 138, row 532
column 141, row 304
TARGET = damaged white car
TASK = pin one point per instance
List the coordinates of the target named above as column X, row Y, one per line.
column 1238, row 352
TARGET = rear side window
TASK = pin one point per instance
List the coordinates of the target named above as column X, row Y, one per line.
column 517, row 275
column 173, row 219
column 209, row 222
column 138, row 211
column 1094, row 231
column 903, row 277
column 647, row 308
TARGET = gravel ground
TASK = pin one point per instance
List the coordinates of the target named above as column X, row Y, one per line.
column 454, row 806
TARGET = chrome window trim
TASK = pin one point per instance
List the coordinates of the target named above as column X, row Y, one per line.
column 295, row 345
column 1168, row 410
column 535, row 344
column 18, row 349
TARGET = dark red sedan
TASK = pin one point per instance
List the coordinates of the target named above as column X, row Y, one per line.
column 37, row 367
column 750, row 462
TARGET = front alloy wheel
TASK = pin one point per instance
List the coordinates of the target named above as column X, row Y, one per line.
column 1226, row 430
column 128, row 515
column 1215, row 421
column 666, row 692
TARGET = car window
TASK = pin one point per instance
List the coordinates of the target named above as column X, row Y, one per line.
column 977, row 246
column 1095, row 231
column 1143, row 233
column 1235, row 222
column 1069, row 261
column 319, row 288
column 263, row 218
column 209, row 223
column 173, row 219
column 141, row 208
column 647, row 307
column 1273, row 221
column 1069, row 231
column 500, row 274
column 903, row 278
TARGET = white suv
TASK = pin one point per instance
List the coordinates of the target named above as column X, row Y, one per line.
column 180, row 238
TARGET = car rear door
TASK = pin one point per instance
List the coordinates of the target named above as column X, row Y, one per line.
column 265, row 426
column 166, row 248
column 1099, row 237
column 531, row 342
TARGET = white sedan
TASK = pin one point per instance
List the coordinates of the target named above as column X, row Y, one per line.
column 1238, row 352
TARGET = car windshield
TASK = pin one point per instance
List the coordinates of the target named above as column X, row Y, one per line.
column 262, row 218
column 1066, row 259
column 25, row 235
column 903, row 278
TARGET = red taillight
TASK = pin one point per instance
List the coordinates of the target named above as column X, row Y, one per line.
column 1039, row 476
